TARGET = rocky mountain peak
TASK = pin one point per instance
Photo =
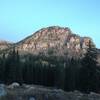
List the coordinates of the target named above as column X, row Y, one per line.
column 58, row 38
column 55, row 39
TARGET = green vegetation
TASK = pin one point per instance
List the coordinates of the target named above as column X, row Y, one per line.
column 61, row 72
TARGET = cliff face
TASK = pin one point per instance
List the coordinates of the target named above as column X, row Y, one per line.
column 58, row 38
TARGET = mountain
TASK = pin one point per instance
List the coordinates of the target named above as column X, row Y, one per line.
column 55, row 57
column 57, row 39
column 54, row 39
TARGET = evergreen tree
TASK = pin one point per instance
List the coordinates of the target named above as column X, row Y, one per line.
column 88, row 77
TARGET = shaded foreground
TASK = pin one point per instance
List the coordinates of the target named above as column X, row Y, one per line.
column 34, row 92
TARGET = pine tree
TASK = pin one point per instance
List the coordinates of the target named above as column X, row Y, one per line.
column 89, row 78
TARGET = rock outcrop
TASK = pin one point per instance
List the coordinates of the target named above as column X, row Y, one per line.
column 58, row 38
column 4, row 45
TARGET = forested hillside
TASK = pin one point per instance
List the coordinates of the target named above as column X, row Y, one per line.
column 54, row 57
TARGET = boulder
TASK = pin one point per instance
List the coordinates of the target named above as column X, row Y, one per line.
column 14, row 85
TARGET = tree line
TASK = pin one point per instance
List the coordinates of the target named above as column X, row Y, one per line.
column 65, row 73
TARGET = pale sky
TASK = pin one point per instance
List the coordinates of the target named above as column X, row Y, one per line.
column 21, row 18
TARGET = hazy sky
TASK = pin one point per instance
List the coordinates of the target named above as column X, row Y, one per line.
column 20, row 18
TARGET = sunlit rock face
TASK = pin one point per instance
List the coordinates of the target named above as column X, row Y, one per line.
column 45, row 38
column 55, row 37
column 60, row 40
